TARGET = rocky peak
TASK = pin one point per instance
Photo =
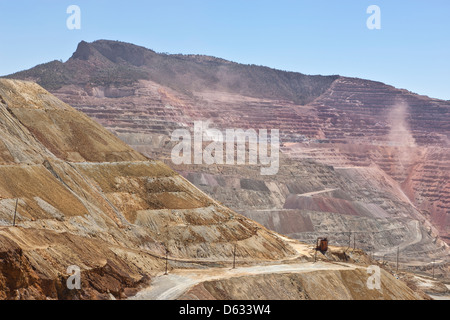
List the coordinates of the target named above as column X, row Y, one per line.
column 83, row 51
column 115, row 51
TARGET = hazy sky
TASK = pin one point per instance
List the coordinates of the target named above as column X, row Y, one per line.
column 411, row 51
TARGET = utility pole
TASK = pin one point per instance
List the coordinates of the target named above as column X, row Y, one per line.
column 433, row 268
column 234, row 257
column 398, row 249
column 354, row 241
column 15, row 212
column 349, row 240
column 167, row 253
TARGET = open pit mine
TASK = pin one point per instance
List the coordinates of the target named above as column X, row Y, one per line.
column 362, row 163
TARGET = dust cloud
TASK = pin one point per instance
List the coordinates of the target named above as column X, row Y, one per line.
column 400, row 134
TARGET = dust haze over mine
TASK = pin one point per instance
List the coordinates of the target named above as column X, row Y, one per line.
column 362, row 163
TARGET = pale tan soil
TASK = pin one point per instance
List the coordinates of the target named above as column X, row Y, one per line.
column 178, row 282
column 317, row 281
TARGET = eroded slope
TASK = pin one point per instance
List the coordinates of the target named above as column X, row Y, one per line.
column 82, row 194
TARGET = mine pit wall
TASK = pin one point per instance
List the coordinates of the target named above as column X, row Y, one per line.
column 307, row 199
column 357, row 123
column 422, row 172
column 360, row 120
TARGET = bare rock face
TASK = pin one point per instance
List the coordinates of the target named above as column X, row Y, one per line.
column 411, row 133
column 357, row 155
column 85, row 198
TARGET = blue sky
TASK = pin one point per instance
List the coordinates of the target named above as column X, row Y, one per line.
column 411, row 51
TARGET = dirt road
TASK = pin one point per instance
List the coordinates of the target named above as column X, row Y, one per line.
column 170, row 287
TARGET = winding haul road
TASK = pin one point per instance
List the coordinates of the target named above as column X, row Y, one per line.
column 172, row 286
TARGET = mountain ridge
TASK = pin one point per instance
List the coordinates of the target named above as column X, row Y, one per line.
column 123, row 63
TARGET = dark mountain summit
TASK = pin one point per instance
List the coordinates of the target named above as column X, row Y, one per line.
column 112, row 62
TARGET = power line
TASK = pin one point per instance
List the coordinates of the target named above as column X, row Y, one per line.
column 167, row 262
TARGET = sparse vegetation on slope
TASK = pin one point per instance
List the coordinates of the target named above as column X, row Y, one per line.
column 112, row 63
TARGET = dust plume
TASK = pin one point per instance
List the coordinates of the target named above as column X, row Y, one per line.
column 400, row 134
column 401, row 137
